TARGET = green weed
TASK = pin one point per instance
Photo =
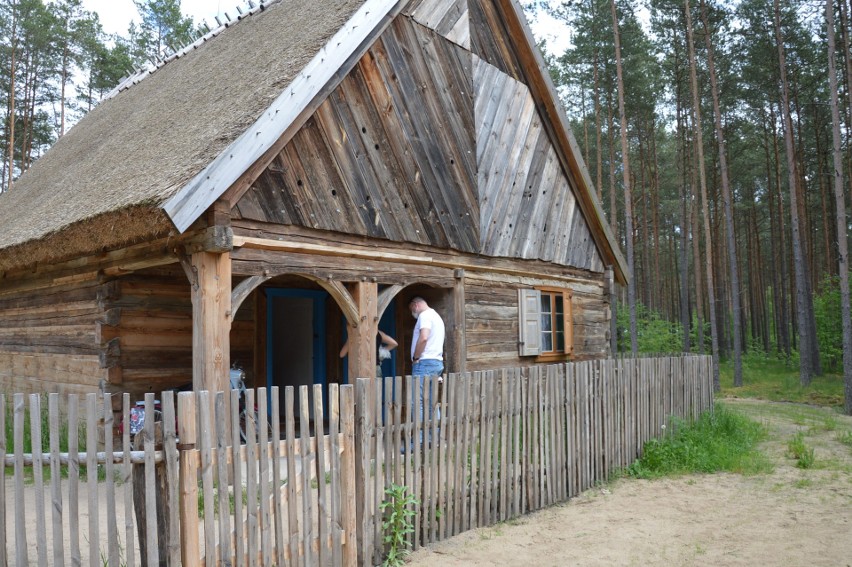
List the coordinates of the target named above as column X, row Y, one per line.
column 721, row 440
column 399, row 510
column 799, row 450
column 845, row 437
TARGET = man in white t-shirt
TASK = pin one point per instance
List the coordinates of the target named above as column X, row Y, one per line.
column 427, row 345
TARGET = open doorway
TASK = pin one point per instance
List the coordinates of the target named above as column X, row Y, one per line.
column 296, row 339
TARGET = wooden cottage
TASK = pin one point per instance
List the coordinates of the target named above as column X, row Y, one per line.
column 292, row 179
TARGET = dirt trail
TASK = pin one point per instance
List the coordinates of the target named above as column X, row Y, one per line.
column 788, row 517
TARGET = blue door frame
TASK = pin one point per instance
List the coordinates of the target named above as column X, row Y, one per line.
column 319, row 330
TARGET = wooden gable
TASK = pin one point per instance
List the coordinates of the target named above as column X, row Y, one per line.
column 389, row 154
column 433, row 138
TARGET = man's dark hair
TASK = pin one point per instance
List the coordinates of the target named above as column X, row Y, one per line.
column 416, row 299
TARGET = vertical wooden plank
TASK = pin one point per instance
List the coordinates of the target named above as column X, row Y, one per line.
column 454, row 382
column 265, row 520
column 465, row 492
column 398, row 449
column 535, row 403
column 419, row 403
column 38, row 477
column 348, row 465
column 73, row 477
column 443, row 423
column 280, row 542
column 336, row 497
column 505, row 447
column 473, row 448
column 237, row 477
column 434, row 409
column 560, row 432
column 363, row 456
column 127, row 483
column 324, row 557
column 222, row 443
column 172, row 471
column 378, row 449
column 55, row 479
column 292, row 481
column 109, row 467
column 21, row 555
column 187, row 432
column 307, row 460
column 362, row 339
column 408, row 447
column 205, row 423
column 516, row 442
column 389, row 458
column 250, row 427
column 484, row 446
column 92, row 478
column 493, row 445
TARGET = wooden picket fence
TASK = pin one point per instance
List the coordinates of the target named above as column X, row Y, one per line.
column 500, row 444
column 307, row 488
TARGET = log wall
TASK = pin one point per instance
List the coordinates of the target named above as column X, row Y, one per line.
column 491, row 314
column 49, row 338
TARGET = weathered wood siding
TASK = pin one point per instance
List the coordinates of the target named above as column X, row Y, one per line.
column 153, row 331
column 527, row 208
column 448, row 18
column 49, row 338
column 389, row 154
column 491, row 315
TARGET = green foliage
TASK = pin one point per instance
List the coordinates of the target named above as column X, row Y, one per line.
column 398, row 509
column 829, row 324
column 798, row 449
column 654, row 334
column 845, row 437
column 769, row 377
column 720, row 440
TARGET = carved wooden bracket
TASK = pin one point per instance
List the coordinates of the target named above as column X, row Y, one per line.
column 385, row 297
column 244, row 289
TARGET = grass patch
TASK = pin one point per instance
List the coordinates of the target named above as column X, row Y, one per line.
column 721, row 440
column 771, row 378
column 799, row 450
column 845, row 438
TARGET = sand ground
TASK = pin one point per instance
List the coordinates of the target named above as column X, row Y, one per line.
column 789, row 517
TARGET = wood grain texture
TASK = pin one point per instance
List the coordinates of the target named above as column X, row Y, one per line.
column 528, row 208
column 389, row 154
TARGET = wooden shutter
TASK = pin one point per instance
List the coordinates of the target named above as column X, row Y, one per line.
column 529, row 325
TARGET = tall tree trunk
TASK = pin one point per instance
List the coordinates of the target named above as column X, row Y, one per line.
column 598, row 156
column 785, row 292
column 12, row 71
column 727, row 199
column 708, row 240
column 840, row 207
column 628, row 197
column 683, row 257
column 613, row 201
column 805, row 349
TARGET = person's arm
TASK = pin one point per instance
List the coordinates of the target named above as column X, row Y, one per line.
column 421, row 343
column 388, row 341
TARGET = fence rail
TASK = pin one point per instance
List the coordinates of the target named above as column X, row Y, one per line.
column 304, row 485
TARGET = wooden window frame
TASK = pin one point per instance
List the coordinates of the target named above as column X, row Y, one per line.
column 567, row 322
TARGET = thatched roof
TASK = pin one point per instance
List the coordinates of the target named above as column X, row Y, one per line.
column 102, row 184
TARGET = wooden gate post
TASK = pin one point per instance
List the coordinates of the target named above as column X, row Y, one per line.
column 187, row 434
column 348, row 506
column 363, row 457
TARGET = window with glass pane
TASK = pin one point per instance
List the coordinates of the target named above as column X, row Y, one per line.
column 552, row 322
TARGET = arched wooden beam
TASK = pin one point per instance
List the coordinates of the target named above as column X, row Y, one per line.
column 242, row 291
column 342, row 296
column 385, row 297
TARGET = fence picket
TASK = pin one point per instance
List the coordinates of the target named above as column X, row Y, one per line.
column 222, row 442
column 92, row 479
column 38, row 478
column 324, row 556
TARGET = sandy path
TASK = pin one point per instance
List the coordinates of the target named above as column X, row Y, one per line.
column 789, row 517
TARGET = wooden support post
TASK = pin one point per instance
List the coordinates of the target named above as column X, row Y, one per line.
column 609, row 276
column 362, row 339
column 459, row 360
column 211, row 313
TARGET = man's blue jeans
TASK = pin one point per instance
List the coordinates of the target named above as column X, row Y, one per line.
column 421, row 369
